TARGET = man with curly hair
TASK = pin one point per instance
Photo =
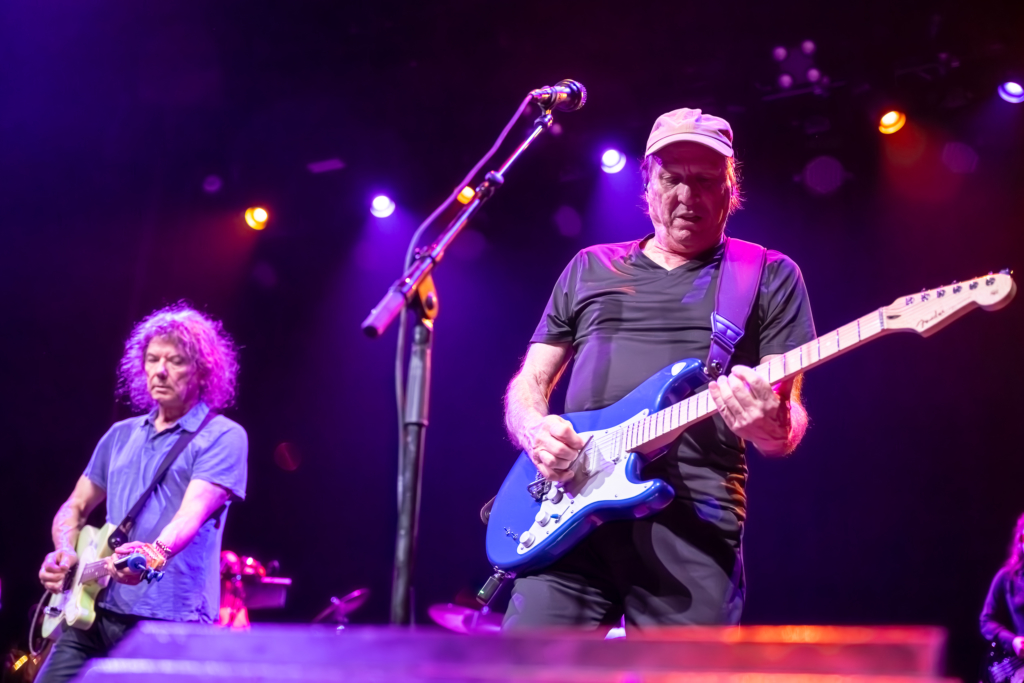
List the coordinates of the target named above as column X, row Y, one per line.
column 179, row 365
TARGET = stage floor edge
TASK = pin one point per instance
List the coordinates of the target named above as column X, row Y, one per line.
column 160, row 651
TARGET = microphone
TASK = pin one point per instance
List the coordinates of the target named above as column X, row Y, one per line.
column 567, row 95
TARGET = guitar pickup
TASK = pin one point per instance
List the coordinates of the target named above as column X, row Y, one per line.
column 538, row 489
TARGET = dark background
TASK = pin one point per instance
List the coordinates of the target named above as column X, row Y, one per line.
column 897, row 508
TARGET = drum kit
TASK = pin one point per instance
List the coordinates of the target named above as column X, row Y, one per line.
column 465, row 619
column 247, row 584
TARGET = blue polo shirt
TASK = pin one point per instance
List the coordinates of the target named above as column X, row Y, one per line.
column 124, row 463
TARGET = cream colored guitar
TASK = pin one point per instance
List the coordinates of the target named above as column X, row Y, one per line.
column 76, row 605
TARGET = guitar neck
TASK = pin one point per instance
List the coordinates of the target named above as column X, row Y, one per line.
column 657, row 430
column 93, row 571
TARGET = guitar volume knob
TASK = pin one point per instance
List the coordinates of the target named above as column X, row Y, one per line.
column 542, row 518
column 526, row 539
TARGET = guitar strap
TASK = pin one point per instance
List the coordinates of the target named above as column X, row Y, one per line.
column 739, row 278
column 120, row 535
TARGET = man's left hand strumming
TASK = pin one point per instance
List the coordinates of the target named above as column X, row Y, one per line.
column 155, row 559
column 773, row 420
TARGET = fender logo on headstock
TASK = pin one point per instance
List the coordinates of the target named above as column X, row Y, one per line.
column 934, row 316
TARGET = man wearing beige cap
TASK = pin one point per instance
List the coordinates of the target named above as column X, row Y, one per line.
column 622, row 312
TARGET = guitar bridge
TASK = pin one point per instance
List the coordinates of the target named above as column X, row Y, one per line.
column 539, row 488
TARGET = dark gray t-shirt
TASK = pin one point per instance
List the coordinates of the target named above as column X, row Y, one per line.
column 123, row 465
column 627, row 318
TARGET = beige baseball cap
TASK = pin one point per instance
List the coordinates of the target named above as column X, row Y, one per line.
column 692, row 125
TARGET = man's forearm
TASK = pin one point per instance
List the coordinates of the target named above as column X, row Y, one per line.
column 794, row 423
column 67, row 523
column 202, row 499
column 179, row 532
column 525, row 404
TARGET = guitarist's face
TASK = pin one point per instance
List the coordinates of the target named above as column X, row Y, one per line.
column 170, row 374
column 688, row 198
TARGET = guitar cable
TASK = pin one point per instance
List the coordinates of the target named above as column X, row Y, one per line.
column 32, row 627
column 409, row 254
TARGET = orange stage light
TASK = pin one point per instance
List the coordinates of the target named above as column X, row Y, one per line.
column 467, row 194
column 891, row 122
column 256, row 217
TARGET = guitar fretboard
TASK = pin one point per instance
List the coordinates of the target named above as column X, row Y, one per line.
column 93, row 571
column 646, row 434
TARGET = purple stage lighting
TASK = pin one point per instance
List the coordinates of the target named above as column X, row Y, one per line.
column 959, row 158
column 823, row 175
column 1012, row 92
column 212, row 184
column 613, row 161
column 382, row 206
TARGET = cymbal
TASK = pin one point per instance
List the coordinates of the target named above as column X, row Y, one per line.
column 340, row 608
column 464, row 619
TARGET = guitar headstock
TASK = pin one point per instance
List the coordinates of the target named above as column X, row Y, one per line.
column 137, row 563
column 931, row 310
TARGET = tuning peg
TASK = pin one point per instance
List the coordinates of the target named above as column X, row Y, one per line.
column 151, row 575
column 1006, row 271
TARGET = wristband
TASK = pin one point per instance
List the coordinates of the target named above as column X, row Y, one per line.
column 163, row 548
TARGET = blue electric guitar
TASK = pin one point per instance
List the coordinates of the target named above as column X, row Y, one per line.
column 533, row 522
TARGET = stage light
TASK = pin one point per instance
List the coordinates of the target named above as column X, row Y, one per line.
column 823, row 175
column 779, row 53
column 785, row 81
column 467, row 194
column 613, row 161
column 326, row 166
column 212, row 184
column 813, row 75
column 891, row 122
column 382, row 206
column 959, row 157
column 1012, row 92
column 256, row 217
column 808, row 47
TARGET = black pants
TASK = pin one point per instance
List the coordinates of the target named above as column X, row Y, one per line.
column 75, row 646
column 671, row 569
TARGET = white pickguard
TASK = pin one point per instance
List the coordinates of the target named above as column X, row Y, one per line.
column 600, row 476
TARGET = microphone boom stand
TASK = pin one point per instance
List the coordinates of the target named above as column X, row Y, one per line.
column 416, row 290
